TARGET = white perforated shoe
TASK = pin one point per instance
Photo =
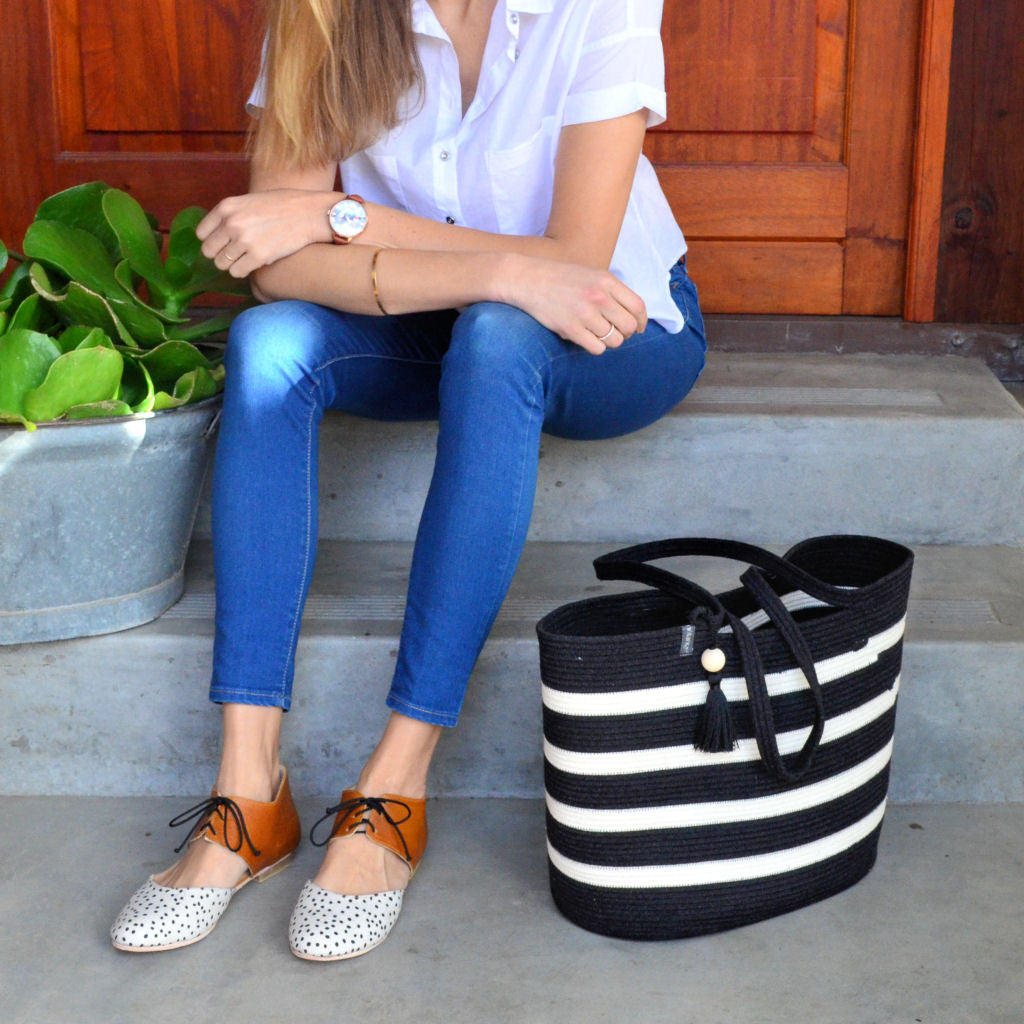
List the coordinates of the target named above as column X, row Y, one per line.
column 332, row 926
column 264, row 834
column 158, row 917
column 336, row 926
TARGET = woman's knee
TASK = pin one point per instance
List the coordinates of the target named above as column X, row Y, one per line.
column 491, row 338
column 277, row 341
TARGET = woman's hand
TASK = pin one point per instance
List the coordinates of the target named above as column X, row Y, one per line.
column 589, row 307
column 243, row 233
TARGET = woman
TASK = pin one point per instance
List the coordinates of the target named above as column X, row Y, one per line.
column 491, row 155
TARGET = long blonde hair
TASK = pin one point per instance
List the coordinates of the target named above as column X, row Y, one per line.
column 336, row 71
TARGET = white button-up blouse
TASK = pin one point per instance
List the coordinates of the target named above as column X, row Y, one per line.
column 547, row 63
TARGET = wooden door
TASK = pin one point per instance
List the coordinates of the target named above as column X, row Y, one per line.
column 786, row 155
column 788, row 148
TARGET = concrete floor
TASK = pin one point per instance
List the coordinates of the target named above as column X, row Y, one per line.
column 935, row 935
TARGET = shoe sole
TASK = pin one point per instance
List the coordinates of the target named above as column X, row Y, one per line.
column 261, row 876
column 341, row 956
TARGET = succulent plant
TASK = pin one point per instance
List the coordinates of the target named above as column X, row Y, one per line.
column 94, row 318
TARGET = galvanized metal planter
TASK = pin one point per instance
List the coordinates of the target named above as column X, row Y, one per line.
column 95, row 520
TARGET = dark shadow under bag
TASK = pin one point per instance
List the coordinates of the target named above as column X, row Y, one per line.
column 711, row 761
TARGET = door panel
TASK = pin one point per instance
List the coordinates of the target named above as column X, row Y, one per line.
column 786, row 155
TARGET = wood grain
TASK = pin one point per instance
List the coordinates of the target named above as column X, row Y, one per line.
column 25, row 76
column 768, row 277
column 980, row 266
column 880, row 150
column 929, row 150
column 748, row 65
column 759, row 200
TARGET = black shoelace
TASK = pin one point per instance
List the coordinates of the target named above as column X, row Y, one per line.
column 204, row 813
column 367, row 804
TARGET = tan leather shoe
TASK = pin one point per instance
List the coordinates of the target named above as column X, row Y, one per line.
column 336, row 926
column 264, row 834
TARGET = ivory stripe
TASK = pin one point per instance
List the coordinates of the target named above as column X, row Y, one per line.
column 640, row 819
column 661, row 759
column 797, row 601
column 684, row 695
column 718, row 872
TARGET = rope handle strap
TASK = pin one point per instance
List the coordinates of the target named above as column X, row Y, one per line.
column 714, row 733
column 631, row 564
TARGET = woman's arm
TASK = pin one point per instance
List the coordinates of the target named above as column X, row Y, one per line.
column 279, row 234
column 283, row 212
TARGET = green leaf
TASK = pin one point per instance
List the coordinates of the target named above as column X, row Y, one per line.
column 25, row 359
column 204, row 328
column 3, row 319
column 129, row 222
column 123, row 273
column 178, row 271
column 82, row 207
column 137, row 385
column 3, row 255
column 76, row 337
column 95, row 338
column 193, row 386
column 187, row 220
column 168, row 362
column 79, row 305
column 18, row 285
column 29, row 314
column 13, row 417
column 77, row 254
column 97, row 410
column 75, row 378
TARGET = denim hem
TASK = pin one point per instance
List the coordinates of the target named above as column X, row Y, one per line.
column 449, row 721
column 225, row 695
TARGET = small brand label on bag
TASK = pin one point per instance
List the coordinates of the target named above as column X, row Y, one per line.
column 689, row 633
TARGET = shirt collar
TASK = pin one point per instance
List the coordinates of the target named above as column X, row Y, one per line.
column 424, row 21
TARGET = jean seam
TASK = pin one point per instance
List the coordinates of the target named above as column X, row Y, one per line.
column 293, row 639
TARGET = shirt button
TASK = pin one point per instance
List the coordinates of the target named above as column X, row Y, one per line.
column 444, row 154
column 450, row 219
column 514, row 18
column 517, row 53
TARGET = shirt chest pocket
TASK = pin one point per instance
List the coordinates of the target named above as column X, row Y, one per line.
column 521, row 180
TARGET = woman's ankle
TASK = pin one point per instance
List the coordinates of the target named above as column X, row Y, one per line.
column 250, row 782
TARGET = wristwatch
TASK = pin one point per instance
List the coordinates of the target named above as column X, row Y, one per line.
column 347, row 219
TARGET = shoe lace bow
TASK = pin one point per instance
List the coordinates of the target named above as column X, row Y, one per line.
column 368, row 805
column 203, row 815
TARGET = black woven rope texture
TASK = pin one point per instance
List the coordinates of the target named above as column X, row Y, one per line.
column 719, row 841
column 677, row 724
column 623, row 644
column 711, row 782
column 652, row 914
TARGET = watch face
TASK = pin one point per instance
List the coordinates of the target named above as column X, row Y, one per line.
column 348, row 218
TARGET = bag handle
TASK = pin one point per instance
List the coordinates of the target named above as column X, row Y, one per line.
column 714, row 730
column 631, row 564
column 757, row 684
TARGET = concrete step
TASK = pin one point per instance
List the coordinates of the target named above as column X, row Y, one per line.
column 933, row 934
column 774, row 447
column 127, row 713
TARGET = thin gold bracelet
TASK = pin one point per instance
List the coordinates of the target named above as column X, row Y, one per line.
column 373, row 279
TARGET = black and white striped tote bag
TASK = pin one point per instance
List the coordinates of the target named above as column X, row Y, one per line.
column 711, row 761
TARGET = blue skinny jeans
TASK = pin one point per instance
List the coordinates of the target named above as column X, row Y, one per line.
column 494, row 378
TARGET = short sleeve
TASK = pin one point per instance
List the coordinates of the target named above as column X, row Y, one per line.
column 621, row 65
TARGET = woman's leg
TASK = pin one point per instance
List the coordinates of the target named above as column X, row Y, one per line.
column 504, row 378
column 287, row 362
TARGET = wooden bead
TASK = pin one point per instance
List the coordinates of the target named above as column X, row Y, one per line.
column 713, row 659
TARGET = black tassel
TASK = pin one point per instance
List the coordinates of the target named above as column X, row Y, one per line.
column 714, row 733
